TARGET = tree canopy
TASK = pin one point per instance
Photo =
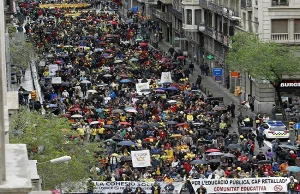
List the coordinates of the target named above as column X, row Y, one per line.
column 263, row 60
column 46, row 137
column 21, row 53
column 269, row 61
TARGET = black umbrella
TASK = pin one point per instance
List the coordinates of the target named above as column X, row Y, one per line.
column 109, row 126
column 154, row 124
column 265, row 162
column 202, row 130
column 205, row 141
column 143, row 126
column 245, row 128
column 198, row 162
column 198, row 124
column 219, row 134
column 214, row 161
column 146, row 90
column 171, row 122
column 116, row 138
column 126, row 158
column 229, row 155
column 211, row 113
column 234, row 146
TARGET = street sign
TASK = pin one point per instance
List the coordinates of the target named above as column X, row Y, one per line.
column 210, row 57
column 217, row 71
column 297, row 126
column 235, row 74
column 218, row 78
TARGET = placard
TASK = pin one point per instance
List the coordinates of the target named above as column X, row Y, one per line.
column 56, row 80
column 142, row 86
column 52, row 69
column 244, row 185
column 141, row 158
column 119, row 186
column 166, row 77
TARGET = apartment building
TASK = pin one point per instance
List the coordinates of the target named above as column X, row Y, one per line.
column 271, row 20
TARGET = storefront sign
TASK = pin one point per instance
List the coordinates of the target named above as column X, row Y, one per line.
column 119, row 186
column 290, row 83
column 245, row 185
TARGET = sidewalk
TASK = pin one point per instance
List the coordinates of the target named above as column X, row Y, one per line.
column 26, row 82
column 209, row 85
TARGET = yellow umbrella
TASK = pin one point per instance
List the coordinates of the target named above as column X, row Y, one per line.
column 176, row 136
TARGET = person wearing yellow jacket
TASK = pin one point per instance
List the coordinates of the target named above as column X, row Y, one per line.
column 170, row 154
column 189, row 117
column 222, row 125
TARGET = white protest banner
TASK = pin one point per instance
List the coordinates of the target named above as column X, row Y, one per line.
column 244, row 185
column 52, row 69
column 165, row 77
column 141, row 158
column 142, row 86
column 119, row 186
column 56, row 80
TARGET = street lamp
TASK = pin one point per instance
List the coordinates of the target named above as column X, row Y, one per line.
column 62, row 159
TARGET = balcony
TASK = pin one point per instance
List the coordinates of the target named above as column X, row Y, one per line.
column 297, row 37
column 165, row 16
column 220, row 9
column 151, row 2
column 280, row 37
column 166, row 2
column 190, row 28
column 190, row 2
column 203, row 3
column 175, row 12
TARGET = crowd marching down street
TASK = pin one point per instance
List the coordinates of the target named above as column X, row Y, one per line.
column 162, row 134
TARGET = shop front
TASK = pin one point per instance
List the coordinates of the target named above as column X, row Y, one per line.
column 290, row 90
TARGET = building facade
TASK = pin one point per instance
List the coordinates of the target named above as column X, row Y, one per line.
column 271, row 20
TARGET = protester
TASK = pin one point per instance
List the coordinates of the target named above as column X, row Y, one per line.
column 102, row 75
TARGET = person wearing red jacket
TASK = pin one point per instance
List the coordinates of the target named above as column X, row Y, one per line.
column 187, row 166
column 162, row 134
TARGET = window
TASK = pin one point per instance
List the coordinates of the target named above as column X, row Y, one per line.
column 279, row 26
column 189, row 16
column 198, row 16
column 280, row 2
column 297, row 26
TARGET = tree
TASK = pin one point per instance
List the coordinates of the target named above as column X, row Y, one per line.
column 21, row 53
column 263, row 60
column 47, row 137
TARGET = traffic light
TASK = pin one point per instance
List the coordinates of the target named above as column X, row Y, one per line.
column 291, row 126
column 33, row 95
column 237, row 91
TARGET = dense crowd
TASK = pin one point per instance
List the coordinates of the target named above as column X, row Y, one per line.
column 100, row 58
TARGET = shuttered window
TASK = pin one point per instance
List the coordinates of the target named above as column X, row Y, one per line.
column 297, row 26
column 279, row 26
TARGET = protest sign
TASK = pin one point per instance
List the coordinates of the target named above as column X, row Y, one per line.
column 142, row 86
column 165, row 77
column 141, row 158
column 244, row 185
column 56, row 80
column 52, row 69
column 119, row 186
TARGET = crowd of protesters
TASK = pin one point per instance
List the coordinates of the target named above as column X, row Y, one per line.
column 100, row 58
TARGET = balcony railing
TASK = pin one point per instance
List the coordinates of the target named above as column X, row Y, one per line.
column 297, row 36
column 220, row 9
column 190, row 2
column 280, row 36
column 175, row 12
column 150, row 1
column 166, row 1
column 165, row 16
